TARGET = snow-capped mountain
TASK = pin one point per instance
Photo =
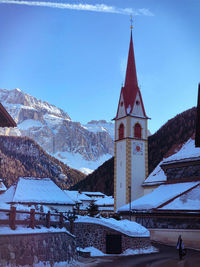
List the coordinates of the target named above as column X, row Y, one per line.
column 100, row 126
column 84, row 147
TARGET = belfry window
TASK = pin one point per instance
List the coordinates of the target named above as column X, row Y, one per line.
column 137, row 130
column 121, row 131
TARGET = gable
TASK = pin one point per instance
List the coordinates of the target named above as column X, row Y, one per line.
column 137, row 106
column 121, row 112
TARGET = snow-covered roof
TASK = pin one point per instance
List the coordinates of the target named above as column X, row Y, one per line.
column 156, row 176
column 8, row 195
column 76, row 196
column 187, row 152
column 2, row 186
column 187, row 201
column 124, row 226
column 105, row 201
column 36, row 190
column 94, row 194
column 158, row 196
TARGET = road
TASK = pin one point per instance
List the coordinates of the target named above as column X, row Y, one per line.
column 166, row 257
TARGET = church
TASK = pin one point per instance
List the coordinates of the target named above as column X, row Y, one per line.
column 131, row 149
column 167, row 200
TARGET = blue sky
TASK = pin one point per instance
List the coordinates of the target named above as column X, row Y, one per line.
column 73, row 54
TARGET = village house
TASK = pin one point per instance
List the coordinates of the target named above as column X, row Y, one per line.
column 83, row 200
column 31, row 191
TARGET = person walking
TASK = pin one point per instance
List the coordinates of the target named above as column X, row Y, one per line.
column 180, row 247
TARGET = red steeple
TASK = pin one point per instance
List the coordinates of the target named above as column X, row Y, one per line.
column 131, row 84
column 131, row 89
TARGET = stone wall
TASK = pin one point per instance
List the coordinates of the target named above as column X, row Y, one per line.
column 88, row 234
column 21, row 249
column 169, row 223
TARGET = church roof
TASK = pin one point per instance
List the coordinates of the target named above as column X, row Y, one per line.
column 187, row 153
column 187, row 201
column 160, row 197
column 5, row 119
column 131, row 88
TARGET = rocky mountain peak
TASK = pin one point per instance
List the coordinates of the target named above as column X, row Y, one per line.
column 79, row 146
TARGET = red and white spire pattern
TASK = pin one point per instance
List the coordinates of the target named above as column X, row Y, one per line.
column 130, row 91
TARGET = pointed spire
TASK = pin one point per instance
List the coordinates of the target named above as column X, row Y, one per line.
column 131, row 85
column 131, row 76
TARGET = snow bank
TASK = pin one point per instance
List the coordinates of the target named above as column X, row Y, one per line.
column 159, row 196
column 126, row 227
column 94, row 252
column 147, row 250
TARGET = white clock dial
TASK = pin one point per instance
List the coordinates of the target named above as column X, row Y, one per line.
column 137, row 148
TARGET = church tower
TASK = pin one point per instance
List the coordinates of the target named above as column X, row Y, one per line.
column 131, row 150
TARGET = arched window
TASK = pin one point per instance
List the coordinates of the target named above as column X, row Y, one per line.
column 121, row 131
column 137, row 131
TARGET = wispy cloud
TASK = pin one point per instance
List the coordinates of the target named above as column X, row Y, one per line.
column 83, row 7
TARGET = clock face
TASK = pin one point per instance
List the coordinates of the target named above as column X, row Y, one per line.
column 137, row 148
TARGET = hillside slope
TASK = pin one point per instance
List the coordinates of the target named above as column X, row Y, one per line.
column 173, row 133
column 21, row 156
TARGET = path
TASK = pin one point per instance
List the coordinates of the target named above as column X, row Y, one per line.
column 167, row 257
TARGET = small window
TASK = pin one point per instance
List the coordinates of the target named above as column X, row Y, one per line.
column 137, row 131
column 121, row 131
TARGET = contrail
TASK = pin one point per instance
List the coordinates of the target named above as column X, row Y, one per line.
column 83, row 7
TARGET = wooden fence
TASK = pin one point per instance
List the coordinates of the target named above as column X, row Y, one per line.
column 34, row 219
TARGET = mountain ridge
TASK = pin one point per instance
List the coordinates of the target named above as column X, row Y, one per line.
column 23, row 157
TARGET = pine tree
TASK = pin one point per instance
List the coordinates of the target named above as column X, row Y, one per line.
column 92, row 209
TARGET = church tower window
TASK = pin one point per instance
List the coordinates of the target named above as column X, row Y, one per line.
column 121, row 131
column 137, row 131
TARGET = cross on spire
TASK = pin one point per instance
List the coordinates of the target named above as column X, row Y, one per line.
column 131, row 20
